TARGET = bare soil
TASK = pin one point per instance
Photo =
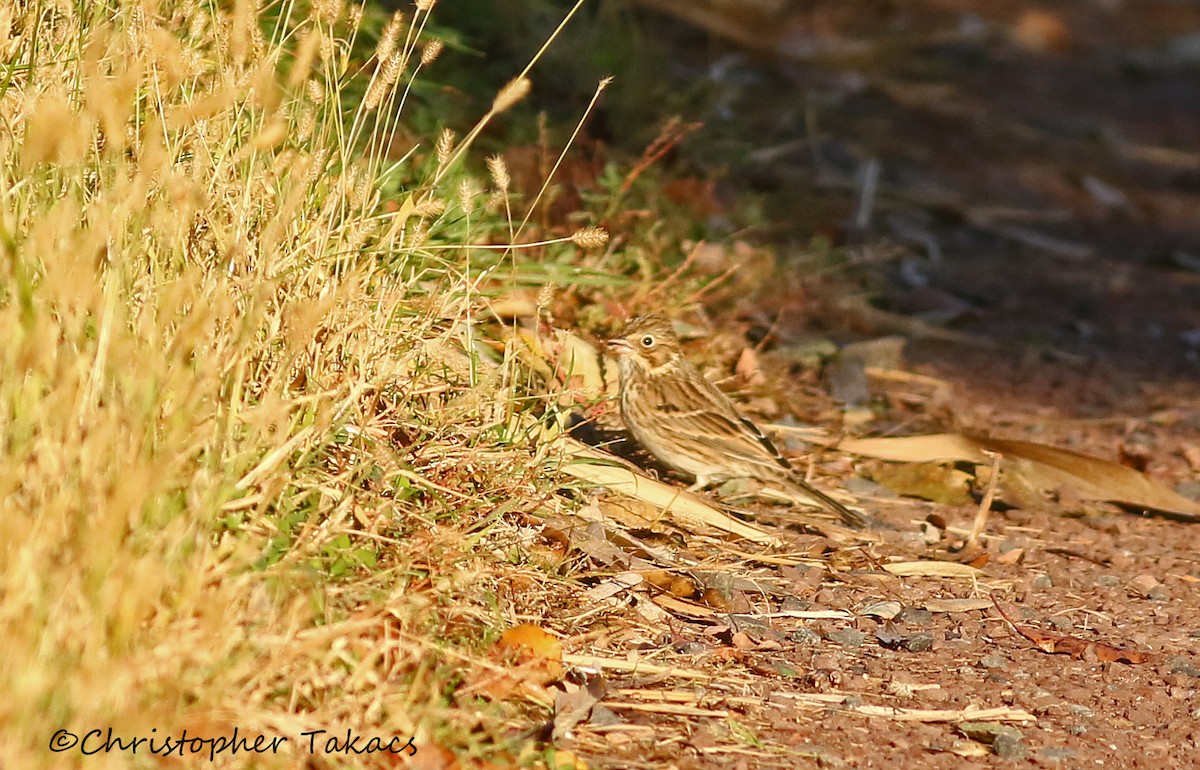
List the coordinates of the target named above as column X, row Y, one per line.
column 1059, row 188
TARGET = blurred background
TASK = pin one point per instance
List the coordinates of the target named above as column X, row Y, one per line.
column 1027, row 172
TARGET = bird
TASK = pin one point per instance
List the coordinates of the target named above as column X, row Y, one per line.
column 689, row 424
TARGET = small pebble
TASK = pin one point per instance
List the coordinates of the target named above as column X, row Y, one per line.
column 1142, row 585
column 1158, row 594
column 1189, row 489
column 804, row 636
column 794, row 603
column 1108, row 581
column 1009, row 747
column 1080, row 711
column 921, row 642
column 914, row 616
column 1077, row 730
column 1183, row 666
column 692, row 648
column 1042, row 581
column 846, row 637
column 993, row 661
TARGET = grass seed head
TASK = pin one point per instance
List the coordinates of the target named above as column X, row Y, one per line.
column 590, row 238
column 514, row 91
column 431, row 51
column 389, row 37
column 444, row 146
column 499, row 171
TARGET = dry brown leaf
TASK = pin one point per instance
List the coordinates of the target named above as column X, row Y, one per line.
column 932, row 569
column 1046, row 467
column 1071, row 645
column 615, row 585
column 747, row 367
column 677, row 585
column 680, row 607
column 601, row 468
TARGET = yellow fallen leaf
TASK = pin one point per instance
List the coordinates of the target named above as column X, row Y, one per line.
column 931, row 569
column 601, row 468
column 537, row 643
column 1045, row 467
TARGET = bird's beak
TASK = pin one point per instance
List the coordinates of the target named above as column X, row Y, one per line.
column 619, row 345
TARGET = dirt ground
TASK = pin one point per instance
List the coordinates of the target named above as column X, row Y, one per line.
column 1039, row 196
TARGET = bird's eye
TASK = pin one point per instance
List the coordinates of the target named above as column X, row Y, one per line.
column 648, row 341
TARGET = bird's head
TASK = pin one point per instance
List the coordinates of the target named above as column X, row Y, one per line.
column 646, row 342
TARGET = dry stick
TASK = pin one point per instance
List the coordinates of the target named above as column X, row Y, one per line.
column 671, row 135
column 985, row 505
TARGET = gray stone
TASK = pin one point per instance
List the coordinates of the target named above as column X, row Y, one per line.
column 1178, row 665
column 993, row 662
column 804, row 636
column 1108, row 581
column 921, row 642
column 1042, row 581
column 914, row 616
column 1009, row 747
column 1189, row 489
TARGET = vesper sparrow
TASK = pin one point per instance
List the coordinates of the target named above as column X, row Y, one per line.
column 691, row 426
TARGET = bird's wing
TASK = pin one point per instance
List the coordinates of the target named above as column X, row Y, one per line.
column 710, row 417
column 711, row 421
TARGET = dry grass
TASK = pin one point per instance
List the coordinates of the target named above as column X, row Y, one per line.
column 254, row 466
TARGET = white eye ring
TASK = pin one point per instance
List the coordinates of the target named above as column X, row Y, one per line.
column 648, row 341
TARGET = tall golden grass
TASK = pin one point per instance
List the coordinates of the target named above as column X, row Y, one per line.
column 229, row 376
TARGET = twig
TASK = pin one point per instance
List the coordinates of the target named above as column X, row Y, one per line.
column 985, row 505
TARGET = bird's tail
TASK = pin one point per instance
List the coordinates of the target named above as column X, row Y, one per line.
column 849, row 517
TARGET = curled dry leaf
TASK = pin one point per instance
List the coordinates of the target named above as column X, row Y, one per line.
column 1044, row 467
column 1071, row 645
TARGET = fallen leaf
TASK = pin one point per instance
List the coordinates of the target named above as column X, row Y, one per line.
column 957, row 605
column 886, row 610
column 574, row 704
column 1045, row 467
column 937, row 482
column 680, row 607
column 536, row 643
column 613, row 586
column 603, row 469
column 1071, row 645
column 1041, row 31
column 677, row 585
column 747, row 367
column 931, row 569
